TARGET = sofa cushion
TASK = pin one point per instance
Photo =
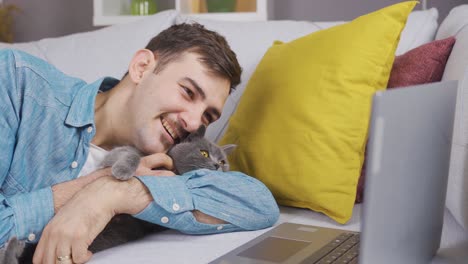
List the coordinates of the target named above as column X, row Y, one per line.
column 456, row 24
column 250, row 40
column 29, row 47
column 104, row 52
column 301, row 125
column 420, row 28
column 423, row 64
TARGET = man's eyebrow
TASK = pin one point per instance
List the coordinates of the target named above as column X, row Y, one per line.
column 197, row 87
column 214, row 111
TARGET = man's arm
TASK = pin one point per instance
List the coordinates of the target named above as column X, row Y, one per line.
column 26, row 214
column 205, row 201
column 85, row 205
column 137, row 197
column 22, row 214
column 241, row 201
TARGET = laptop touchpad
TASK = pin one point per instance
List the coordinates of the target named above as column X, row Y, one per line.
column 274, row 249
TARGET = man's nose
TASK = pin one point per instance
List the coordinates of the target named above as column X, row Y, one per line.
column 191, row 121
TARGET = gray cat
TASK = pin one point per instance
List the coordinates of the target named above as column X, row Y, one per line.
column 194, row 152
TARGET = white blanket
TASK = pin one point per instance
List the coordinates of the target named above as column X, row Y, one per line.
column 175, row 248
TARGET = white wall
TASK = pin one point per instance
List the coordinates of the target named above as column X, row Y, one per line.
column 52, row 18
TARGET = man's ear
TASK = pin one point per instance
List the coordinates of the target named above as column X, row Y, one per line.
column 143, row 60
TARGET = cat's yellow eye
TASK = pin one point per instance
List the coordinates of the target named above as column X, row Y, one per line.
column 205, row 153
column 221, row 162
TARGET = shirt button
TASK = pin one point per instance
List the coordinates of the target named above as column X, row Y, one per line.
column 31, row 237
column 90, row 129
column 74, row 164
column 176, row 207
column 164, row 220
column 219, row 227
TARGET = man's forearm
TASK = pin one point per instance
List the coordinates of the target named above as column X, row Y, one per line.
column 133, row 194
column 64, row 191
column 130, row 197
column 142, row 198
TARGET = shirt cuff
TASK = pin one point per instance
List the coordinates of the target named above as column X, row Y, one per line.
column 169, row 192
column 32, row 212
column 242, row 201
column 173, row 206
column 184, row 222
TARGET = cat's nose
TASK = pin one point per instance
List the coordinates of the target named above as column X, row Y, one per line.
column 217, row 166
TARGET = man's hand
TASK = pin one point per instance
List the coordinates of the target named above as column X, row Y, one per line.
column 159, row 164
column 64, row 191
column 78, row 222
column 85, row 205
column 85, row 215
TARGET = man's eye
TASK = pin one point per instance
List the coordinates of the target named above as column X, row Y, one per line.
column 209, row 119
column 188, row 92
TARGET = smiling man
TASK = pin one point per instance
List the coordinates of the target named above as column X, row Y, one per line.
column 55, row 128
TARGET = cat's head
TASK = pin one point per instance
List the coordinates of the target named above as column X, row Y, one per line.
column 197, row 152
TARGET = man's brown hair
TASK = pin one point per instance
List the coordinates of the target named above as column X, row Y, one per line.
column 214, row 51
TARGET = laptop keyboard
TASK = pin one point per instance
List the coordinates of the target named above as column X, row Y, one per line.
column 343, row 249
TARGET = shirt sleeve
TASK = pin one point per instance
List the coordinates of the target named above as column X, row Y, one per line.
column 240, row 200
column 25, row 213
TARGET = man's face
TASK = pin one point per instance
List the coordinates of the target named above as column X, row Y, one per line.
column 166, row 106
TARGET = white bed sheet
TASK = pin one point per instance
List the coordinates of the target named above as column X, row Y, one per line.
column 175, row 248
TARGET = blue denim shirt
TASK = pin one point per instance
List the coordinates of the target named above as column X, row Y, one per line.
column 46, row 125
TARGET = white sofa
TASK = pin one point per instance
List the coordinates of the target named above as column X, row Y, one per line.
column 106, row 52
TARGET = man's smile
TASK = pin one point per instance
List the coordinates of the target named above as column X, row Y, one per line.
column 171, row 129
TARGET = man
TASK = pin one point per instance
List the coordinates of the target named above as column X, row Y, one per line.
column 55, row 127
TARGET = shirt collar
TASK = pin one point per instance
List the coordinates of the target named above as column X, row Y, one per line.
column 81, row 111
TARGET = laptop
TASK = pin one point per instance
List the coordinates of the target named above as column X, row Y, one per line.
column 406, row 180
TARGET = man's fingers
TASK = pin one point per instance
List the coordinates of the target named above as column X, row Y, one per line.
column 80, row 251
column 158, row 160
column 147, row 172
column 161, row 173
column 39, row 253
column 63, row 254
column 84, row 180
column 49, row 255
column 207, row 219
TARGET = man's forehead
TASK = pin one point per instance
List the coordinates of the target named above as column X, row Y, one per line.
column 214, row 88
column 196, row 60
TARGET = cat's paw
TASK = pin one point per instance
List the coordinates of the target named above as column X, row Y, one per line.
column 122, row 172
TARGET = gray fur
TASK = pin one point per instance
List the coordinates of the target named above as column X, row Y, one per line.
column 124, row 162
column 187, row 155
column 11, row 253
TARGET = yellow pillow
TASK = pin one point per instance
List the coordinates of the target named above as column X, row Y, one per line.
column 301, row 125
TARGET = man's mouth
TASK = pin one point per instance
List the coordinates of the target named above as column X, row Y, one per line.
column 171, row 130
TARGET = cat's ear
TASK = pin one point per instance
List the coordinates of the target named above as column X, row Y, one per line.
column 228, row 148
column 197, row 134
